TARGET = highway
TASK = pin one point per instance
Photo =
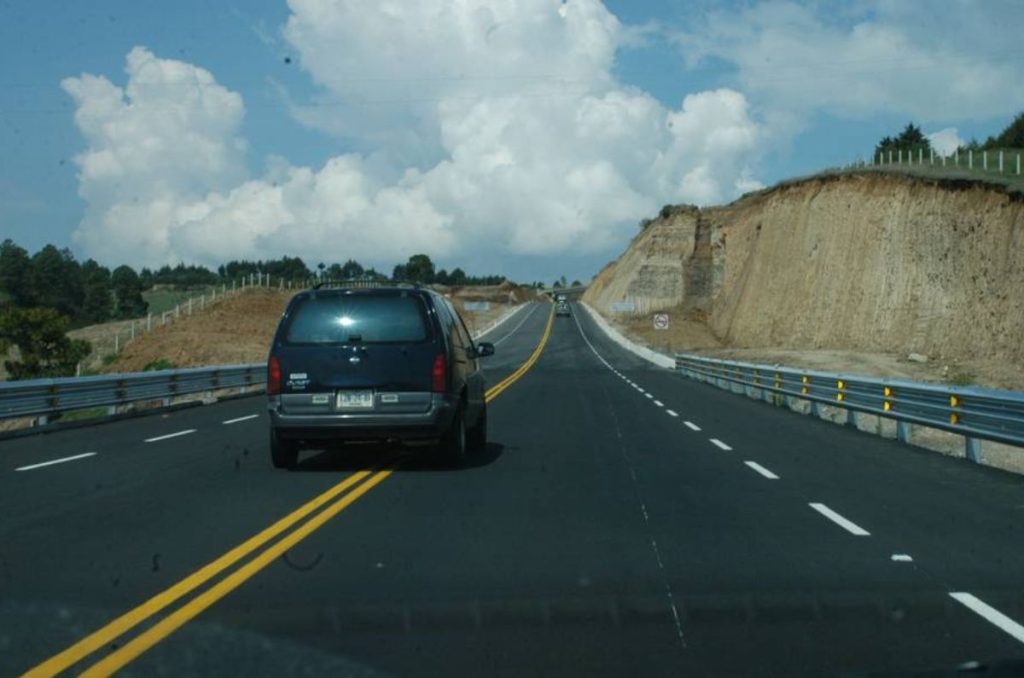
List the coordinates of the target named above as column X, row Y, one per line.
column 623, row 521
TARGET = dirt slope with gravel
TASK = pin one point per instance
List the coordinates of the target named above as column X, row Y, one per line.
column 854, row 262
column 239, row 329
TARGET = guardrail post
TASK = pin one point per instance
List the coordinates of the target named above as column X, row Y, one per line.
column 815, row 409
column 903, row 431
column 972, row 448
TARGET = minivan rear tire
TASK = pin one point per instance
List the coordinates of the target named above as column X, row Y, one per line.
column 451, row 450
column 283, row 453
column 476, row 439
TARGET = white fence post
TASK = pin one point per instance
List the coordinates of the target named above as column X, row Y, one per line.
column 890, row 157
column 149, row 322
column 920, row 156
column 931, row 156
column 984, row 160
column 970, row 159
column 117, row 343
column 1000, row 162
column 900, row 157
column 956, row 157
column 190, row 305
column 177, row 311
column 1018, row 163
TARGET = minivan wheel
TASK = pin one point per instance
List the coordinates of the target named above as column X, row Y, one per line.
column 476, row 439
column 451, row 451
column 283, row 453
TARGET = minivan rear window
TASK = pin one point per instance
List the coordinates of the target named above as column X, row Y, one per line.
column 339, row 319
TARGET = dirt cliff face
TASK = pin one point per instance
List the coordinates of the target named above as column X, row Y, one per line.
column 857, row 261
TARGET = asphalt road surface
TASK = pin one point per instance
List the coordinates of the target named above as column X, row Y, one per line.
column 623, row 521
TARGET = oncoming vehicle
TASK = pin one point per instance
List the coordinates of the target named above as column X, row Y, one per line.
column 385, row 363
column 562, row 308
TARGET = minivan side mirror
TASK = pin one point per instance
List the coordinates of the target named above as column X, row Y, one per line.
column 483, row 349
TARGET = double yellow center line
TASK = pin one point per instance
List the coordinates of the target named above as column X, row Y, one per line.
column 342, row 495
column 496, row 390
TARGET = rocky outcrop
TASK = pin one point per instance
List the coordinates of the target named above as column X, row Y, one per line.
column 862, row 261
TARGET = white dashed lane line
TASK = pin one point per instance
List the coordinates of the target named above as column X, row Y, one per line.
column 901, row 558
column 690, row 425
column 720, row 445
column 55, row 461
column 649, row 395
column 170, row 435
column 762, row 470
column 235, row 421
column 659, row 403
column 989, row 614
column 672, row 413
column 848, row 525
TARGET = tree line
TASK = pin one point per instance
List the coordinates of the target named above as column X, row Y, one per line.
column 46, row 294
column 912, row 140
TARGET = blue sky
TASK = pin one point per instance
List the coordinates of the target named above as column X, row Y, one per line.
column 777, row 89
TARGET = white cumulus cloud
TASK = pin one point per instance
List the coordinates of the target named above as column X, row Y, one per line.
column 945, row 141
column 926, row 60
column 475, row 126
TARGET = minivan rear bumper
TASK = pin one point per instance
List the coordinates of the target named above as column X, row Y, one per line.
column 407, row 427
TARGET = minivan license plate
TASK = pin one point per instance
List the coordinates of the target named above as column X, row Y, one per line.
column 355, row 400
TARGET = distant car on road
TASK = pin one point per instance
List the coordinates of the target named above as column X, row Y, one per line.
column 563, row 308
column 388, row 363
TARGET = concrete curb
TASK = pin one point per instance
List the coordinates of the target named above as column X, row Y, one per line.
column 659, row 359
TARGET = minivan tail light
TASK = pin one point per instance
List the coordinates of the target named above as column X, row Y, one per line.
column 439, row 374
column 273, row 376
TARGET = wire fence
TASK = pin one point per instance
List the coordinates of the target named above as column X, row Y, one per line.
column 997, row 162
column 109, row 340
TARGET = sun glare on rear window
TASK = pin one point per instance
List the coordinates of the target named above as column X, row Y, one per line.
column 361, row 319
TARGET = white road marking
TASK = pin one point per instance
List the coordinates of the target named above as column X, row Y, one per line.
column 170, row 435
column 690, row 425
column 648, row 395
column 762, row 470
column 901, row 558
column 659, row 403
column 672, row 413
column 55, row 461
column 516, row 328
column 720, row 445
column 990, row 614
column 235, row 421
column 848, row 525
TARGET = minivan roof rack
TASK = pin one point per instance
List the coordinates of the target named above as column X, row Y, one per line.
column 363, row 283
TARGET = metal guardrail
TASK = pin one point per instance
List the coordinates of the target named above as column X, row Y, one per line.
column 46, row 397
column 974, row 412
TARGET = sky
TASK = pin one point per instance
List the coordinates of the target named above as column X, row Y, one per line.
column 519, row 137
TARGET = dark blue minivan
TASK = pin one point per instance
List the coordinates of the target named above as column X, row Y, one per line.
column 375, row 363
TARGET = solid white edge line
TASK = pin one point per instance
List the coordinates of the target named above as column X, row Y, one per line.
column 55, row 461
column 235, row 421
column 848, row 525
column 762, row 470
column 659, row 403
column 672, row 413
column 990, row 614
column 720, row 445
column 514, row 329
column 170, row 435
column 690, row 425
